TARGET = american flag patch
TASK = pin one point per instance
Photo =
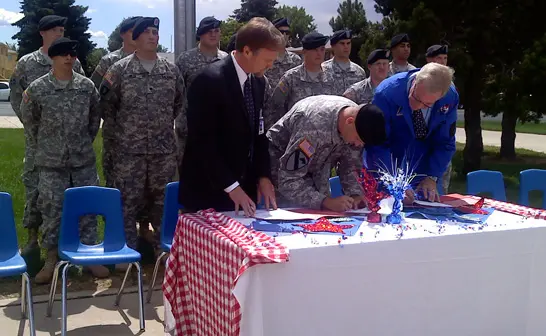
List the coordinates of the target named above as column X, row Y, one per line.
column 307, row 148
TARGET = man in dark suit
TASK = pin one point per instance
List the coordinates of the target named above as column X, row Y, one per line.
column 226, row 161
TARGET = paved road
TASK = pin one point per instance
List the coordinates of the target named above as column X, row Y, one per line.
column 6, row 110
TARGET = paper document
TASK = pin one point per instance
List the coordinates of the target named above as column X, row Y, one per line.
column 433, row 204
column 278, row 214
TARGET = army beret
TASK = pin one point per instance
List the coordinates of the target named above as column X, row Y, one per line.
column 400, row 38
column 142, row 24
column 61, row 47
column 378, row 54
column 313, row 40
column 436, row 50
column 281, row 22
column 370, row 125
column 51, row 21
column 207, row 24
column 128, row 24
column 340, row 35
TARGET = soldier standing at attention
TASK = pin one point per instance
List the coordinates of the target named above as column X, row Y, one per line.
column 286, row 60
column 318, row 132
column 345, row 72
column 144, row 113
column 400, row 49
column 29, row 68
column 378, row 64
column 64, row 154
column 307, row 79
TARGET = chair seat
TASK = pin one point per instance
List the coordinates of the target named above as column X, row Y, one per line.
column 13, row 266
column 166, row 247
column 95, row 255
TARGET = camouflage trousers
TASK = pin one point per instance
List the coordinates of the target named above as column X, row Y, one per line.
column 141, row 179
column 32, row 219
column 446, row 178
column 53, row 182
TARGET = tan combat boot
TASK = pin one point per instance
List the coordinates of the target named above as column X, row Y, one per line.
column 32, row 243
column 99, row 271
column 46, row 273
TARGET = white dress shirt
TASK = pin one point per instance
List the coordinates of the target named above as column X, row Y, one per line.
column 243, row 76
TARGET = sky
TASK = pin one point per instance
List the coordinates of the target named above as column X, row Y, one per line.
column 106, row 14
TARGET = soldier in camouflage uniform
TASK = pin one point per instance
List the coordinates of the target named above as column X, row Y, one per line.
column 307, row 79
column 400, row 49
column 60, row 112
column 29, row 68
column 317, row 133
column 344, row 72
column 286, row 61
column 143, row 94
column 378, row 64
column 192, row 62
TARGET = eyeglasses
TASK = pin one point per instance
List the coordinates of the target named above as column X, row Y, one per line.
column 285, row 32
column 419, row 100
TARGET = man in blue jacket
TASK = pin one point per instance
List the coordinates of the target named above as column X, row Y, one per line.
column 420, row 108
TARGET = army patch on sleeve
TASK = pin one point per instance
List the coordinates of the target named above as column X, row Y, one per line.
column 108, row 77
column 296, row 160
column 307, row 148
column 26, row 98
column 283, row 87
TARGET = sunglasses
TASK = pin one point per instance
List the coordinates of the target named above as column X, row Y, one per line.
column 72, row 53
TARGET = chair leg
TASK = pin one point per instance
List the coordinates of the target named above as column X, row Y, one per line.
column 154, row 277
column 29, row 304
column 54, row 287
column 24, row 279
column 140, row 296
column 63, row 300
column 120, row 292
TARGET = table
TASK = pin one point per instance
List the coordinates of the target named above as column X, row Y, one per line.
column 490, row 281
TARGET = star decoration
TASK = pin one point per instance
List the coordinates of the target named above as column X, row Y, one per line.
column 324, row 225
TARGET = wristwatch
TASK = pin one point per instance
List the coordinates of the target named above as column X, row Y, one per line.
column 434, row 178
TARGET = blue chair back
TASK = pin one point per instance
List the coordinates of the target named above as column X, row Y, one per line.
column 92, row 200
column 335, row 187
column 170, row 212
column 531, row 180
column 8, row 234
column 486, row 181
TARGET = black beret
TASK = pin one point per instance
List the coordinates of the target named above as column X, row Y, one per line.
column 231, row 44
column 400, row 38
column 340, row 35
column 51, row 21
column 128, row 24
column 436, row 50
column 313, row 40
column 61, row 47
column 370, row 125
column 378, row 54
column 281, row 22
column 207, row 24
column 142, row 24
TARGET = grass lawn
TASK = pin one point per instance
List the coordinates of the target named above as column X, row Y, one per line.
column 494, row 125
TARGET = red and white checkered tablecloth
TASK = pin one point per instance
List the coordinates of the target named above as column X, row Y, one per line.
column 514, row 208
column 210, row 251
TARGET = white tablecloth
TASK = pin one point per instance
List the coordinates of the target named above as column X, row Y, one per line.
column 460, row 282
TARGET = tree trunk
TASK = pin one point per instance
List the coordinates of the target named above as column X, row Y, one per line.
column 508, row 137
column 473, row 149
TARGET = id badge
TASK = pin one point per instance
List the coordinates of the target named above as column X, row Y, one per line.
column 261, row 128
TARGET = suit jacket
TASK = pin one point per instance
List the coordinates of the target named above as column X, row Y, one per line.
column 218, row 148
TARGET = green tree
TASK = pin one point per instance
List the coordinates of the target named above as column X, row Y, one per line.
column 29, row 39
column 352, row 15
column 229, row 27
column 114, row 39
column 94, row 57
column 255, row 8
column 376, row 39
column 162, row 49
column 301, row 23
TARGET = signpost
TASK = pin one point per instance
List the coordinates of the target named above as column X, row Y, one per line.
column 184, row 26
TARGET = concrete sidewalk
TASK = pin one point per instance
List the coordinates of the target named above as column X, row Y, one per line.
column 87, row 315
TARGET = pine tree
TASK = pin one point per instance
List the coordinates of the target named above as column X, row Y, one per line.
column 29, row 39
column 255, row 8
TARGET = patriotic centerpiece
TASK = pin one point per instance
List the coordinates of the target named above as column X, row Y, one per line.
column 371, row 195
column 396, row 183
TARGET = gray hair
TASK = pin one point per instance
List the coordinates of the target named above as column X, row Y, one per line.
column 436, row 78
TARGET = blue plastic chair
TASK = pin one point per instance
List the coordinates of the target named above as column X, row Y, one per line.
column 531, row 180
column 11, row 262
column 168, row 228
column 113, row 250
column 488, row 181
column 335, row 187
